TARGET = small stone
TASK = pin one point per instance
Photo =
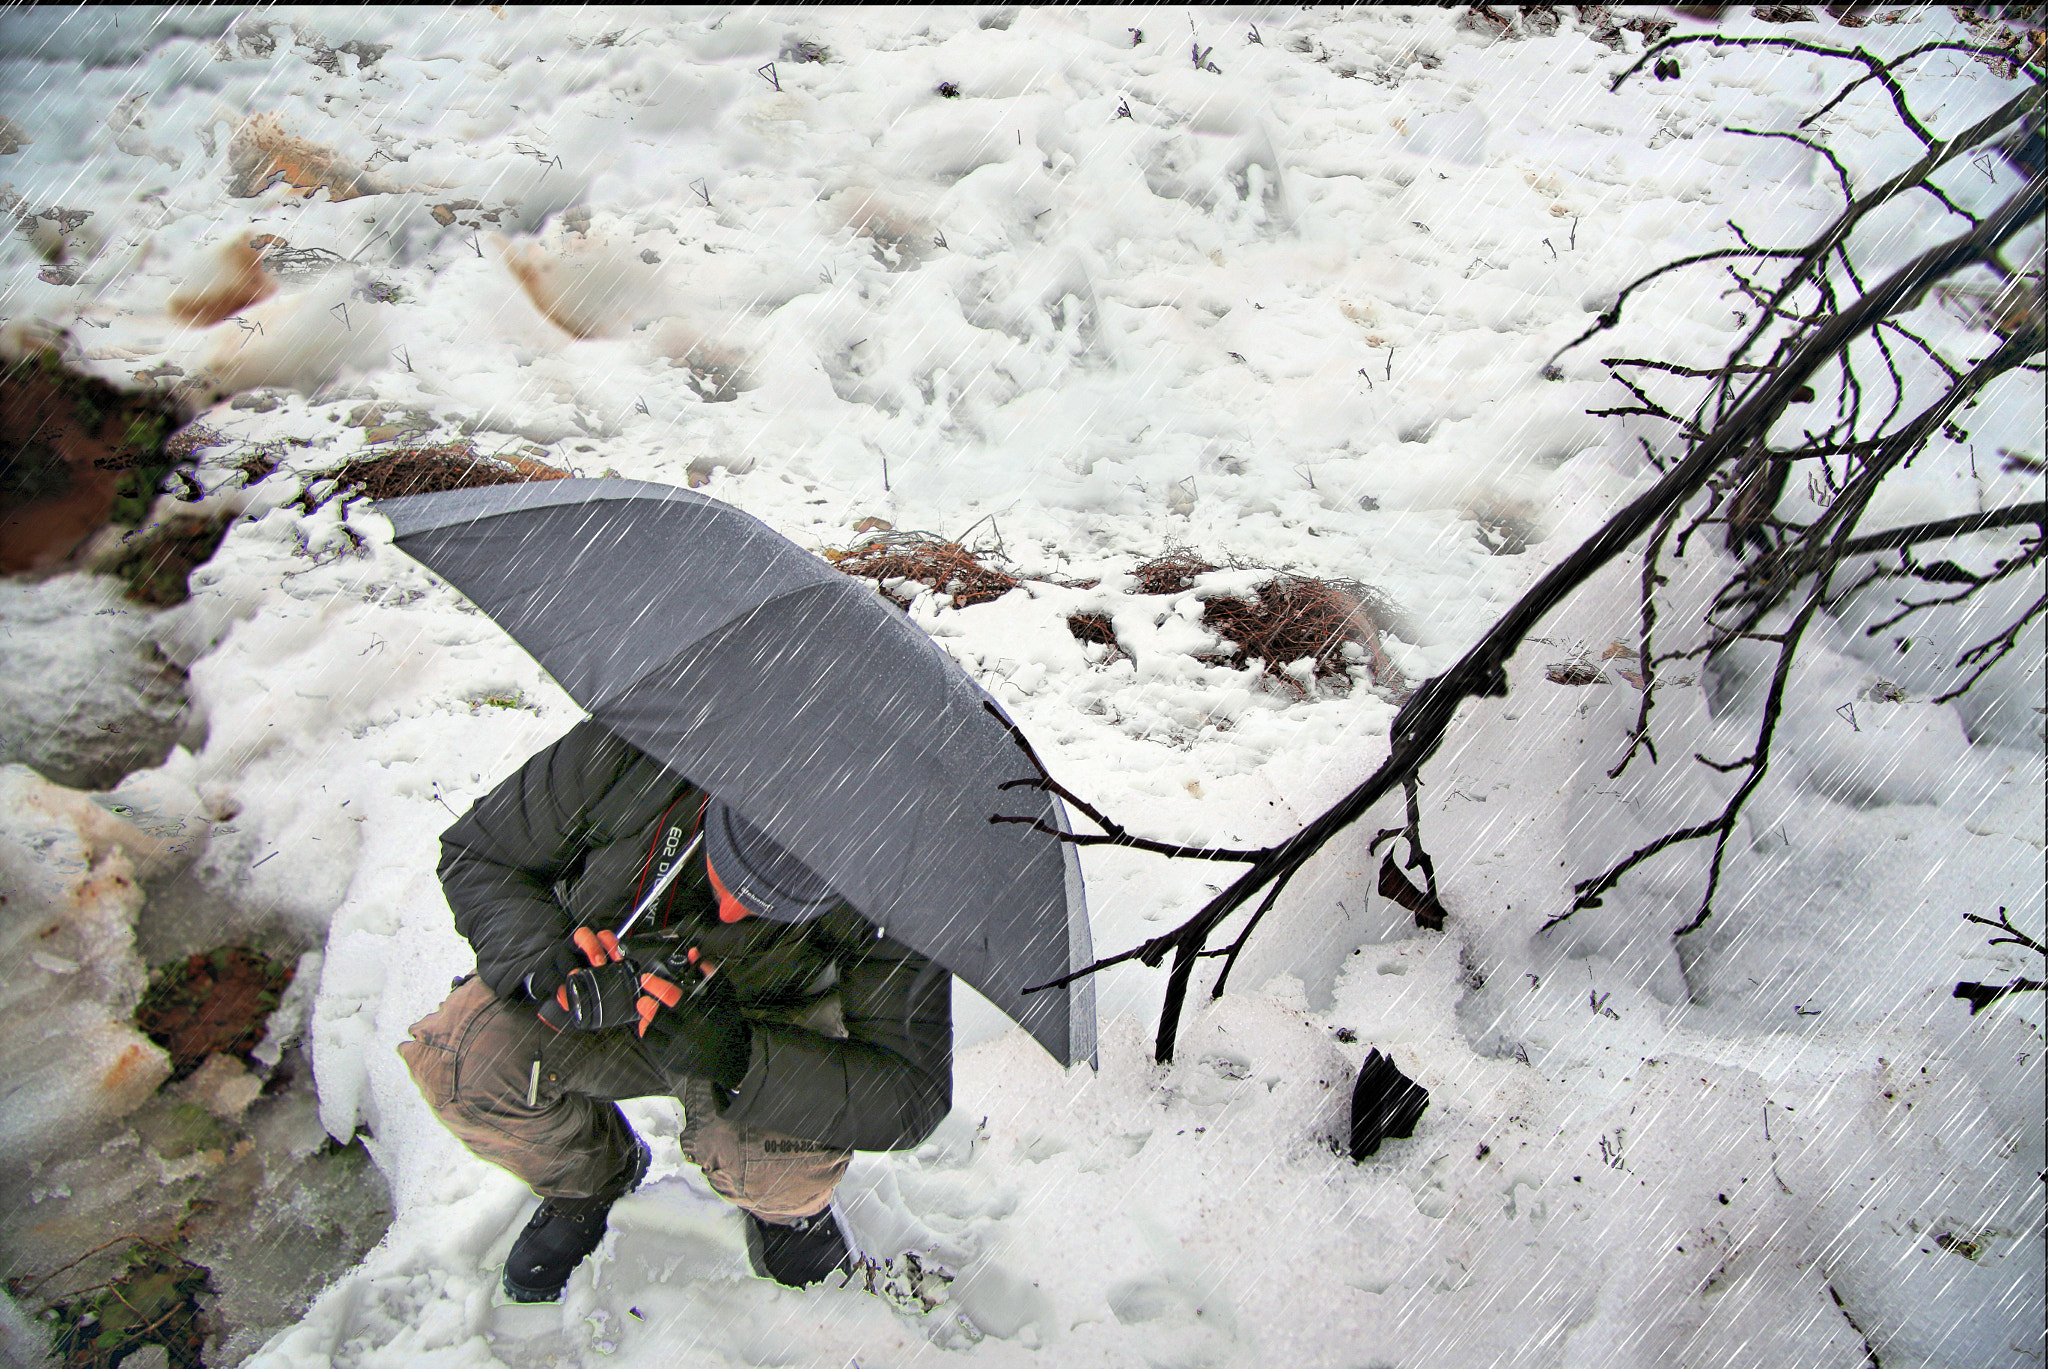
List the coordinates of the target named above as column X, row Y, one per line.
column 223, row 1086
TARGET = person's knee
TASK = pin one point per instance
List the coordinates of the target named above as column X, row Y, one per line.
column 474, row 1054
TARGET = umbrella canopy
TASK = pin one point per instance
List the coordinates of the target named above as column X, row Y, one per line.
column 796, row 695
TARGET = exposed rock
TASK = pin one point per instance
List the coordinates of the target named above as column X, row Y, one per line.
column 88, row 697
column 223, row 1086
column 218, row 1208
column 72, row 875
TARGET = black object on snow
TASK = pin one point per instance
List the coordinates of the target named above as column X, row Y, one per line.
column 1384, row 1102
column 561, row 1233
column 806, row 1251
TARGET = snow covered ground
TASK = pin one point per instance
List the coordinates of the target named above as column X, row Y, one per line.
column 1036, row 277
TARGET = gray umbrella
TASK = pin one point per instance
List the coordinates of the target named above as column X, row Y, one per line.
column 797, row 696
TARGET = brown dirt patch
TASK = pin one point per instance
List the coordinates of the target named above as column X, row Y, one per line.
column 941, row 566
column 214, row 1001
column 76, row 453
column 158, row 564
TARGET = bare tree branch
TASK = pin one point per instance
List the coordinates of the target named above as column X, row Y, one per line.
column 2013, row 935
column 1117, row 836
column 2018, row 515
column 1419, row 728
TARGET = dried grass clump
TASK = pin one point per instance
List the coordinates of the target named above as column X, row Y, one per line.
column 1171, row 573
column 1092, row 627
column 425, row 470
column 188, row 441
column 1290, row 618
column 941, row 566
column 1295, row 617
column 1096, row 629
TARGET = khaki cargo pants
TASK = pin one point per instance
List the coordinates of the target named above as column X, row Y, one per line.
column 474, row 1059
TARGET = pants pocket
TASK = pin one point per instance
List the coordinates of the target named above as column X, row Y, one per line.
column 433, row 1054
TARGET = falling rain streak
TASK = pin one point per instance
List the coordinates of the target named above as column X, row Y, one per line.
column 1374, row 298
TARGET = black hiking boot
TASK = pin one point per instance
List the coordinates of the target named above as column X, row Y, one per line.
column 561, row 1233
column 807, row 1251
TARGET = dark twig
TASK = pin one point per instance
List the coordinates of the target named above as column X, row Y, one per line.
column 1991, row 651
column 2016, row 515
column 1982, row 996
column 1231, row 952
column 2013, row 935
column 1640, row 738
column 1117, row 835
column 26, row 1289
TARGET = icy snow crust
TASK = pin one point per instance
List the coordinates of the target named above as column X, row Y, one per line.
column 1293, row 309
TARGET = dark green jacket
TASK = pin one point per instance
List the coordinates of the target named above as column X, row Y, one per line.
column 565, row 842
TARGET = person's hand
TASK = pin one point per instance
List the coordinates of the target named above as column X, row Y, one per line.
column 581, row 948
column 594, row 985
column 658, row 991
column 696, row 1032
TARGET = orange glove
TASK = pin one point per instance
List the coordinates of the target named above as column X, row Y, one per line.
column 584, row 951
column 658, row 993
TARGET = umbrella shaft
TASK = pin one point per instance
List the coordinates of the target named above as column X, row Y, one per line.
column 660, row 886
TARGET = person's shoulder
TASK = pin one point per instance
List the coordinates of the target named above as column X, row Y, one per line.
column 852, row 935
column 595, row 749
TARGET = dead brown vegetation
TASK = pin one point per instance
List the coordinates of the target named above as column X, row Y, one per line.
column 940, row 566
column 1289, row 618
column 442, row 466
column 1092, row 627
column 1298, row 617
column 1169, row 574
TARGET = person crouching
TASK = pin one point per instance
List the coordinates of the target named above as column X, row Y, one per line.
column 791, row 1028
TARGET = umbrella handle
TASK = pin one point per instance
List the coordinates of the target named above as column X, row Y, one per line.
column 668, row 877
